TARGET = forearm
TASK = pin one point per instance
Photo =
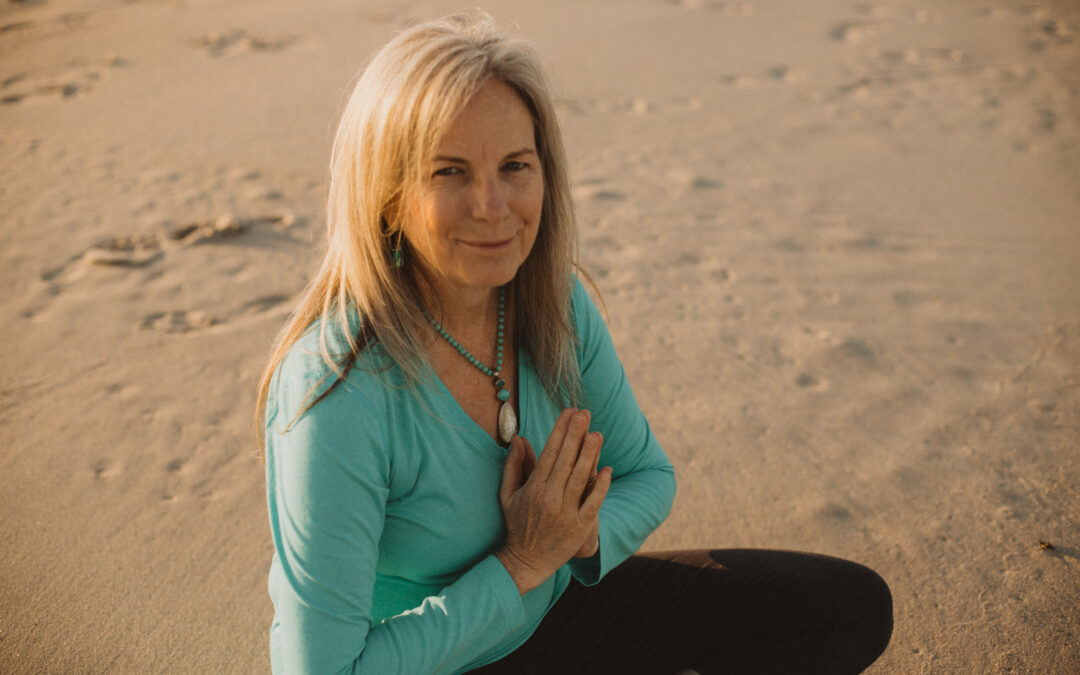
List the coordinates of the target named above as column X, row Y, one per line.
column 452, row 629
column 443, row 634
column 635, row 506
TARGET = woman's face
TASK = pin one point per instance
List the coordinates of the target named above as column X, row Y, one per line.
column 479, row 210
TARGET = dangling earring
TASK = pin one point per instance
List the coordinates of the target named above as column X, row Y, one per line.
column 397, row 255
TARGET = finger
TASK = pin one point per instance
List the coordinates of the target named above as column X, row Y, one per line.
column 571, row 448
column 511, row 478
column 591, row 460
column 585, row 468
column 591, row 506
column 528, row 460
column 554, row 442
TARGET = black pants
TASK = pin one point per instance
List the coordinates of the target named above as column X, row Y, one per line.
column 721, row 611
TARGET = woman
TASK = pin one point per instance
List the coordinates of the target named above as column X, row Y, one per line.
column 443, row 339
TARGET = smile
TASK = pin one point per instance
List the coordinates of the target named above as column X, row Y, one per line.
column 493, row 245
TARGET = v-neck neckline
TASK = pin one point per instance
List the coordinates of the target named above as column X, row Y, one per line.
column 463, row 421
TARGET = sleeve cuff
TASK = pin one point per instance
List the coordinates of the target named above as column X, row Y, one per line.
column 492, row 573
column 589, row 571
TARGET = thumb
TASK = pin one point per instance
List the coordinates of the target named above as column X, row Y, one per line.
column 528, row 457
column 511, row 478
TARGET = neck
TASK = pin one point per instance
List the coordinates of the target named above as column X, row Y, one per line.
column 455, row 307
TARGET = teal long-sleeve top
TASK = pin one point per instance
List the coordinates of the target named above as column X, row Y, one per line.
column 384, row 511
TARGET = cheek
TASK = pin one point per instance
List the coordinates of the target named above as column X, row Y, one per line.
column 431, row 217
column 535, row 213
column 534, row 204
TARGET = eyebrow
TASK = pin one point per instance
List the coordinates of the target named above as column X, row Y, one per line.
column 459, row 160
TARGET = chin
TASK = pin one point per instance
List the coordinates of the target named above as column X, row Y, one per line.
column 494, row 277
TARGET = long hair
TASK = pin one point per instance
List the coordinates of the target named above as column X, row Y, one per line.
column 402, row 105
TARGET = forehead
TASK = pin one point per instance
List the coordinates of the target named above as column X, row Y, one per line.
column 495, row 119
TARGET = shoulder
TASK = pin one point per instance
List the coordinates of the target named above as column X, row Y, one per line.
column 313, row 366
column 588, row 323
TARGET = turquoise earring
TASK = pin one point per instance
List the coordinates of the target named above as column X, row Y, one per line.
column 397, row 255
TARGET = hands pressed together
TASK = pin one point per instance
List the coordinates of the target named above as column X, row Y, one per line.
column 552, row 505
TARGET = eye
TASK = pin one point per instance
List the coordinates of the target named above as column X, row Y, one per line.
column 514, row 165
column 448, row 171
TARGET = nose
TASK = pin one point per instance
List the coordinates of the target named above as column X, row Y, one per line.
column 490, row 200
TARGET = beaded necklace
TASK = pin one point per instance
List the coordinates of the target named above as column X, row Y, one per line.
column 507, row 418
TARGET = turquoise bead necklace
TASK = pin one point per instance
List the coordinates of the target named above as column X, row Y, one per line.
column 507, row 418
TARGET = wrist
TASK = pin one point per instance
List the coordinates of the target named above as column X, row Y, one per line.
column 523, row 575
column 590, row 550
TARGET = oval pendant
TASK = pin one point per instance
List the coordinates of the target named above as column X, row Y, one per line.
column 507, row 422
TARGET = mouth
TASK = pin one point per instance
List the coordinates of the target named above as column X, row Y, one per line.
column 488, row 244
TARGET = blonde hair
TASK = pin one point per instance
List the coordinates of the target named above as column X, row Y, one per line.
column 402, row 105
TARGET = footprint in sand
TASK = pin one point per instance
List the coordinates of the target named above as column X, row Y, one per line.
column 125, row 252
column 61, row 87
column 789, row 245
column 723, row 8
column 264, row 304
column 723, row 275
column 1042, row 28
column 76, row 79
column 965, row 375
column 1047, row 120
column 238, row 42
column 40, row 28
column 821, row 361
column 609, row 256
column 908, row 299
column 177, row 322
column 681, row 181
column 606, row 246
column 130, row 252
column 189, row 476
column 833, row 511
column 631, row 106
column 810, row 382
column 173, row 470
column 15, row 26
column 735, row 80
column 123, row 390
column 854, row 32
column 103, row 469
column 912, row 56
column 858, row 350
column 143, row 250
column 207, row 231
column 1048, row 32
column 779, row 74
column 598, row 193
column 785, row 74
column 194, row 320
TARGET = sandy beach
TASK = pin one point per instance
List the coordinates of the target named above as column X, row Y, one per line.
column 838, row 243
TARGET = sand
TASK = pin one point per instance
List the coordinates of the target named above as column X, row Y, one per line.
column 838, row 242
